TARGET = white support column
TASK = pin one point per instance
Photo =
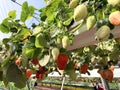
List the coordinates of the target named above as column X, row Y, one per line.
column 105, row 84
column 62, row 83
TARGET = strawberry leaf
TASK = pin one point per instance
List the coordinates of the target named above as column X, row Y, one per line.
column 70, row 70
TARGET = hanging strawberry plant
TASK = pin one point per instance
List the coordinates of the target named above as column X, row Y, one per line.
column 38, row 49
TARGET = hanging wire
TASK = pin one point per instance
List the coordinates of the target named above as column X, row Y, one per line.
column 16, row 2
column 37, row 18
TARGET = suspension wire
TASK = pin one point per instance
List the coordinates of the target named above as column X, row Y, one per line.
column 16, row 2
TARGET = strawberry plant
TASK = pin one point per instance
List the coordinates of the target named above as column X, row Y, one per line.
column 46, row 45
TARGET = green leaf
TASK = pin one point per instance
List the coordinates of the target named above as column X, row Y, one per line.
column 114, row 54
column 25, row 12
column 52, row 7
column 24, row 31
column 70, row 70
column 7, row 22
column 14, row 29
column 51, row 17
column 4, row 28
column 6, row 82
column 5, row 40
column 67, row 22
column 29, row 48
column 52, row 10
column 6, row 63
column 39, row 53
column 5, row 68
column 21, row 84
column 31, row 10
column 29, row 52
column 25, row 6
column 14, row 74
column 40, row 41
column 23, row 16
column 67, row 1
column 1, row 75
column 43, row 14
column 37, row 30
column 12, row 14
column 30, row 43
column 24, row 60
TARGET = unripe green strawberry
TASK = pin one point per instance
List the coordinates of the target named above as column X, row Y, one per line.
column 37, row 30
column 44, row 61
column 90, row 22
column 114, row 18
column 58, row 40
column 62, row 61
column 103, row 33
column 65, row 41
column 114, row 2
column 80, row 12
column 55, row 53
column 73, row 3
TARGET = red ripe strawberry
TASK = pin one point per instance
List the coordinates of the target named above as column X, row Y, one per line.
column 37, row 75
column 35, row 61
column 15, row 58
column 111, row 68
column 18, row 62
column 28, row 73
column 107, row 74
column 101, row 71
column 62, row 61
column 75, row 66
column 84, row 68
column 42, row 70
column 114, row 18
column 40, row 76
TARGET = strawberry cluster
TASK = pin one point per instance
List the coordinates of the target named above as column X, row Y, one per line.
column 41, row 72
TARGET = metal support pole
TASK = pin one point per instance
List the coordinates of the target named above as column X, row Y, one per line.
column 62, row 83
